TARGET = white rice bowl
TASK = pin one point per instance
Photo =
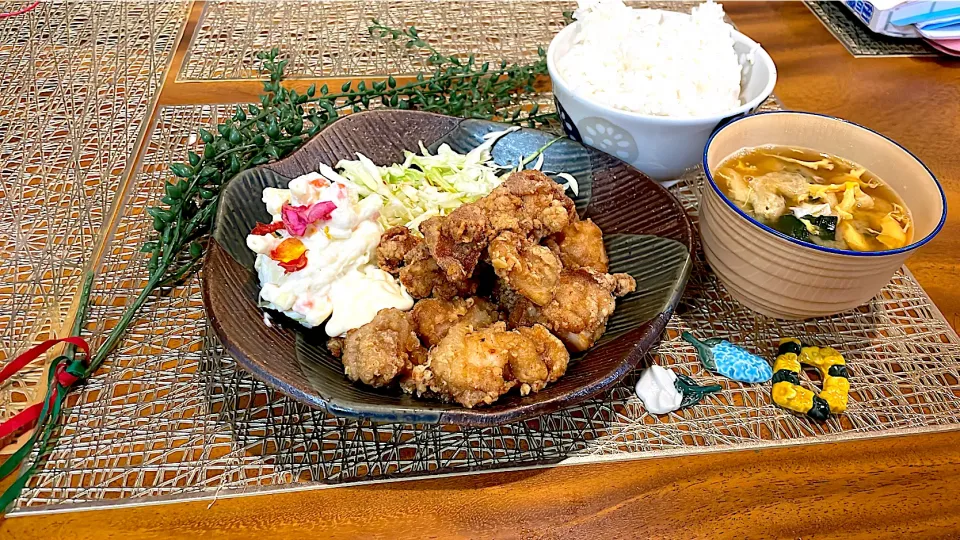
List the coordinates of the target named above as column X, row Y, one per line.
column 651, row 62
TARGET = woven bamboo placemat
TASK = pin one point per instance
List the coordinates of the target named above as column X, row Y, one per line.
column 328, row 38
column 78, row 81
column 171, row 417
column 859, row 40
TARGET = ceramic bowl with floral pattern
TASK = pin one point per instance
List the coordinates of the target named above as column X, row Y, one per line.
column 660, row 146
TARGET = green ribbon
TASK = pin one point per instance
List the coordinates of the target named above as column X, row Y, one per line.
column 50, row 413
column 46, row 423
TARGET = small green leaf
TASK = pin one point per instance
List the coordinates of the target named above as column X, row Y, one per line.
column 259, row 140
column 259, row 160
column 271, row 151
column 394, row 100
column 208, row 171
column 273, row 131
column 206, row 136
column 172, row 190
column 379, row 86
column 235, row 137
column 148, row 247
column 158, row 224
column 391, row 82
column 296, row 126
column 312, row 89
column 362, row 86
column 196, row 250
column 240, row 115
column 158, row 212
column 209, row 151
column 167, row 235
column 234, row 163
column 324, row 90
column 224, row 129
column 180, row 170
column 254, row 110
column 193, row 157
column 207, row 194
column 345, row 87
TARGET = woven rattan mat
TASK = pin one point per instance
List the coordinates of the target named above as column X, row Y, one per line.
column 76, row 85
column 329, row 38
column 171, row 417
column 859, row 40
column 174, row 417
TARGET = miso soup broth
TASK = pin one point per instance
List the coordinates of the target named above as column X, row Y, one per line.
column 816, row 197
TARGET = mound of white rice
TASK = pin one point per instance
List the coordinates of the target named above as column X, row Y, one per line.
column 639, row 60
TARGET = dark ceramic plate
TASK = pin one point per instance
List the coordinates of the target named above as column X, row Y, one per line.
column 647, row 233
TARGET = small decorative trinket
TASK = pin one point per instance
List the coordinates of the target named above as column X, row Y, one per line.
column 722, row 357
column 787, row 391
column 662, row 391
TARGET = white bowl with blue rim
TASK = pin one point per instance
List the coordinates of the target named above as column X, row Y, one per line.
column 786, row 278
column 662, row 147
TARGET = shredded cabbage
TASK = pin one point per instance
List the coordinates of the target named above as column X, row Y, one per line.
column 426, row 185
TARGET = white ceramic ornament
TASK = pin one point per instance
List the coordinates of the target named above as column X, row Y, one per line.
column 658, row 391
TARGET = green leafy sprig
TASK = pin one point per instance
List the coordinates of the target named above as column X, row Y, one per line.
column 259, row 134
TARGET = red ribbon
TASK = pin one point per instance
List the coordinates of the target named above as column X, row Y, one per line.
column 26, row 418
column 27, row 9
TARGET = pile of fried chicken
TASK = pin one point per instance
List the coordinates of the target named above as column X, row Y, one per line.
column 507, row 287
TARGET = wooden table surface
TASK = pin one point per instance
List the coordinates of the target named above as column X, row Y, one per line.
column 880, row 488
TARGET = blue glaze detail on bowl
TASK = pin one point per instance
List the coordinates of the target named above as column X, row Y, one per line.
column 910, row 247
column 568, row 126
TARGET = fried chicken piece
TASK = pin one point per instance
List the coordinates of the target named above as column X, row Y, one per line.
column 580, row 245
column 395, row 244
column 457, row 240
column 578, row 314
column 335, row 346
column 382, row 350
column 550, row 348
column 434, row 317
column 469, row 366
column 423, row 278
column 551, row 354
column 530, row 269
column 406, row 256
column 528, row 203
column 474, row 367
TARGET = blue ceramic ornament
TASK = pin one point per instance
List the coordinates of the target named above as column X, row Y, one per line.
column 722, row 357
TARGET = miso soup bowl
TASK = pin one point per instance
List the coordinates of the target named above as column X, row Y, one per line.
column 782, row 277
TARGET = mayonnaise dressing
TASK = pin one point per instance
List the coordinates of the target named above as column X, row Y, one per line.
column 341, row 280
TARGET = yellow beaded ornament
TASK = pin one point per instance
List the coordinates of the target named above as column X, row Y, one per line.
column 787, row 391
